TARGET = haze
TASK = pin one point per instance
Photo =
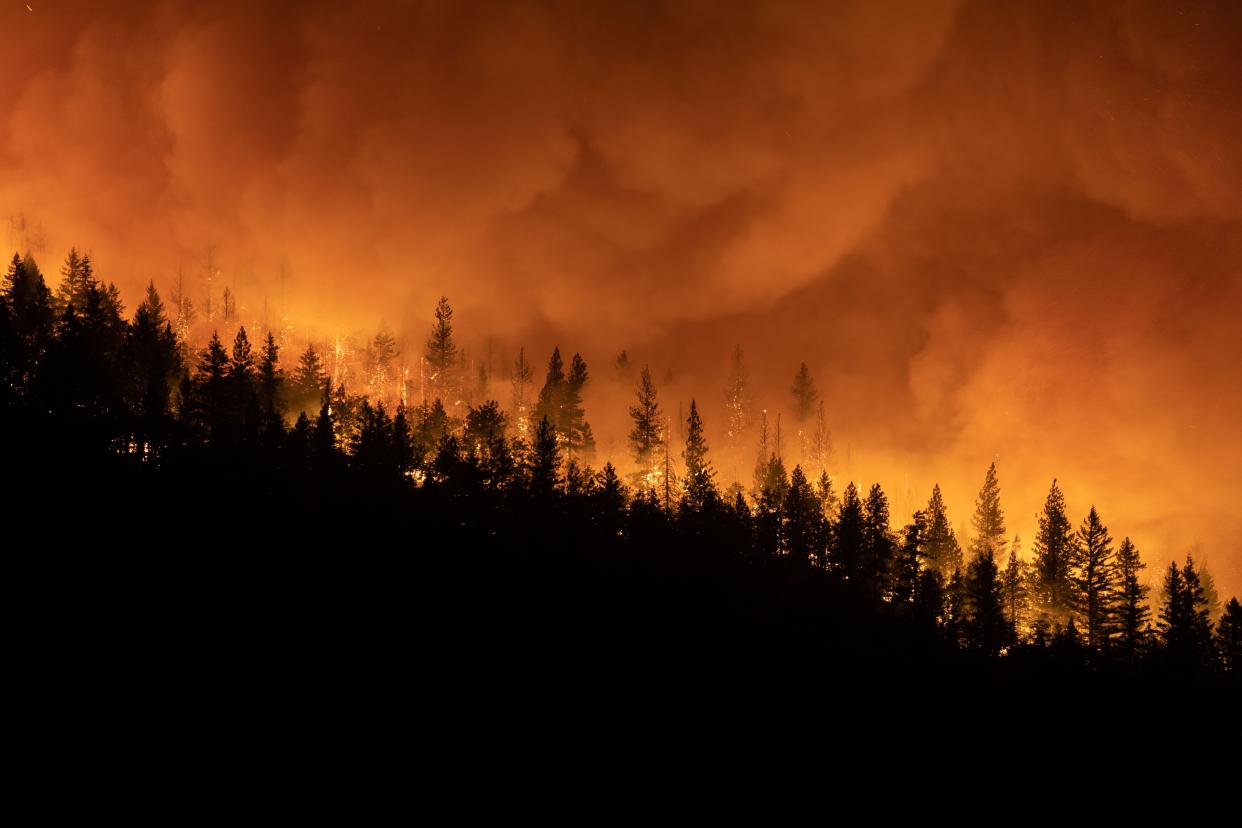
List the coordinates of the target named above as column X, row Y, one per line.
column 991, row 230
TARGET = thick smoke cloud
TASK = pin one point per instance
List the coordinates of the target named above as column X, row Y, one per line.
column 988, row 228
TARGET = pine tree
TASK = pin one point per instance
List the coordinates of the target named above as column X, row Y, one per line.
column 940, row 543
column 241, row 365
column 545, row 460
column 76, row 278
column 1184, row 624
column 402, row 442
column 30, row 313
column 551, row 401
column 608, row 504
column 152, row 358
column 957, row 609
column 308, row 380
column 803, row 520
column 1132, row 613
column 230, row 307
column 878, row 544
column 646, row 437
column 986, row 628
column 847, row 542
column 804, row 397
column 211, row 387
column 580, row 441
column 271, row 378
column 769, row 518
column 381, row 356
column 1014, row 583
column 1094, row 581
column 988, row 521
column 1229, row 638
column 442, row 355
column 908, row 565
column 1055, row 553
column 827, row 496
column 701, row 491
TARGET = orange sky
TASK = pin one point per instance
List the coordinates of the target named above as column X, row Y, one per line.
column 1006, row 229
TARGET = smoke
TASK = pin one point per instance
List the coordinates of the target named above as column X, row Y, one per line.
column 989, row 229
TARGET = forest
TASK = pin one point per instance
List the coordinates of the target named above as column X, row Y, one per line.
column 301, row 517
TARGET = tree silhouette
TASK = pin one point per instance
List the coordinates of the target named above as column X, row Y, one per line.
column 1055, row 553
column 1014, row 585
column 1184, row 624
column 1229, row 637
column 986, row 627
column 1133, row 614
column 646, row 437
column 847, row 551
column 442, row 354
column 940, row 544
column 878, row 544
column 988, row 521
column 804, row 531
column 308, row 380
column 701, row 491
column 1094, row 581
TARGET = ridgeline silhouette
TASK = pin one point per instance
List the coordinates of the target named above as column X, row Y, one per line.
column 306, row 519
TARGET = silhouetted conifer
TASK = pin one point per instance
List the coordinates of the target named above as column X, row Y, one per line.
column 988, row 521
column 647, row 435
column 878, row 544
column 940, row 543
column 1133, row 615
column 1056, row 551
column 1094, row 581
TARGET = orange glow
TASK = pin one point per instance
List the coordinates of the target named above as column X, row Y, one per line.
column 988, row 229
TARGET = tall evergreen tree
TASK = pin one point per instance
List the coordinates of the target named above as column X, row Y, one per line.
column 647, row 436
column 442, row 355
column 986, row 627
column 803, row 520
column 308, row 381
column 908, row 565
column 878, row 544
column 804, row 394
column 701, row 491
column 76, row 278
column 211, row 389
column 957, row 610
column 30, row 313
column 1014, row 585
column 271, row 378
column 848, row 540
column 769, row 506
column 940, row 543
column 1094, row 581
column 551, row 402
column 1229, row 638
column 1184, row 624
column 580, row 441
column 152, row 358
column 545, row 461
column 988, row 521
column 1133, row 614
column 1055, row 553
column 827, row 496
